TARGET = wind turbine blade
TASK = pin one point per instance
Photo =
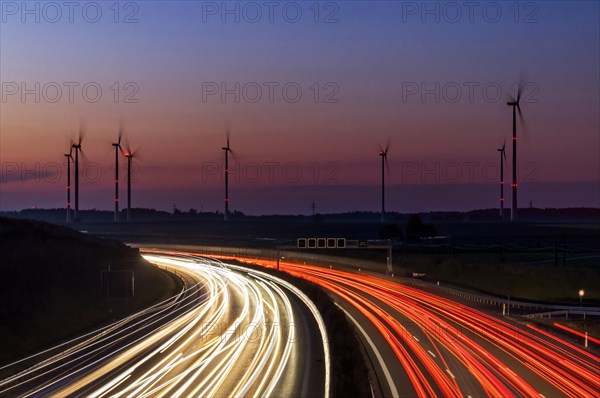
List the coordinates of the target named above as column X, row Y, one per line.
column 82, row 131
column 387, row 165
column 121, row 132
column 521, row 84
column 522, row 121
column 387, row 145
column 136, row 153
column 235, row 156
column 84, row 158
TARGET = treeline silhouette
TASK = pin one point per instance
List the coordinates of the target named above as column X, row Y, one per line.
column 58, row 215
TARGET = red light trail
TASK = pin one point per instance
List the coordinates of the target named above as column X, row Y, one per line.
column 482, row 343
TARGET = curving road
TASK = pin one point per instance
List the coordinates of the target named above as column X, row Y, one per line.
column 421, row 344
column 230, row 332
column 449, row 349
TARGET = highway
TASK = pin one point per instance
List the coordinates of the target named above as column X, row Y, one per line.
column 236, row 331
column 450, row 349
column 422, row 344
column 230, row 332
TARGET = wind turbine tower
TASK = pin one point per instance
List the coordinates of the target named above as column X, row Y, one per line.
column 226, row 149
column 502, row 161
column 69, row 157
column 384, row 164
column 515, row 104
column 118, row 149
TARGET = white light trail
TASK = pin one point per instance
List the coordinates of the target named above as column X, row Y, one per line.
column 223, row 335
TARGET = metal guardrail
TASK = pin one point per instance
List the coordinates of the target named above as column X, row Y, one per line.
column 493, row 300
column 464, row 294
column 551, row 314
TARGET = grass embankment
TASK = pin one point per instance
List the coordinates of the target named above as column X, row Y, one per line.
column 349, row 374
column 472, row 261
column 50, row 285
column 482, row 272
column 541, row 282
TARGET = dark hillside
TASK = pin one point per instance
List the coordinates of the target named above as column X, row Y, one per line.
column 50, row 284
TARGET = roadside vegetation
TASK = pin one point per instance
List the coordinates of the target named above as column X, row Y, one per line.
column 481, row 272
column 541, row 282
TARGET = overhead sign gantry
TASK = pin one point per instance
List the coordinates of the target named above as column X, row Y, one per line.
column 343, row 243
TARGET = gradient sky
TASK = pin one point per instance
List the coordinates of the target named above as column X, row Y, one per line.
column 443, row 152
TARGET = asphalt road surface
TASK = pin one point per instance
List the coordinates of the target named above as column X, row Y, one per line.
column 230, row 332
column 422, row 344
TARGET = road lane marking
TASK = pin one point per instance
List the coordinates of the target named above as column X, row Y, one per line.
column 431, row 353
column 384, row 367
column 312, row 308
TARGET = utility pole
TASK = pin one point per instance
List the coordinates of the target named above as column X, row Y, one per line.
column 278, row 259
column 389, row 269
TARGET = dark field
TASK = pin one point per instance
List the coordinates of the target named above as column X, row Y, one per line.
column 547, row 262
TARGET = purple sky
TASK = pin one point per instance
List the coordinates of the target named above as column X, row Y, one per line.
column 310, row 92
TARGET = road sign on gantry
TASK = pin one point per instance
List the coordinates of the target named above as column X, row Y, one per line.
column 321, row 243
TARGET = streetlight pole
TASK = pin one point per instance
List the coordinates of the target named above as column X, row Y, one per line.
column 581, row 293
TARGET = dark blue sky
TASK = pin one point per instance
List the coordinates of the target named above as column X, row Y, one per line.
column 434, row 82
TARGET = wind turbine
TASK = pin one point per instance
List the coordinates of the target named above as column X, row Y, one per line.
column 129, row 154
column 118, row 149
column 502, row 161
column 515, row 107
column 78, row 149
column 384, row 165
column 226, row 149
column 69, row 156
